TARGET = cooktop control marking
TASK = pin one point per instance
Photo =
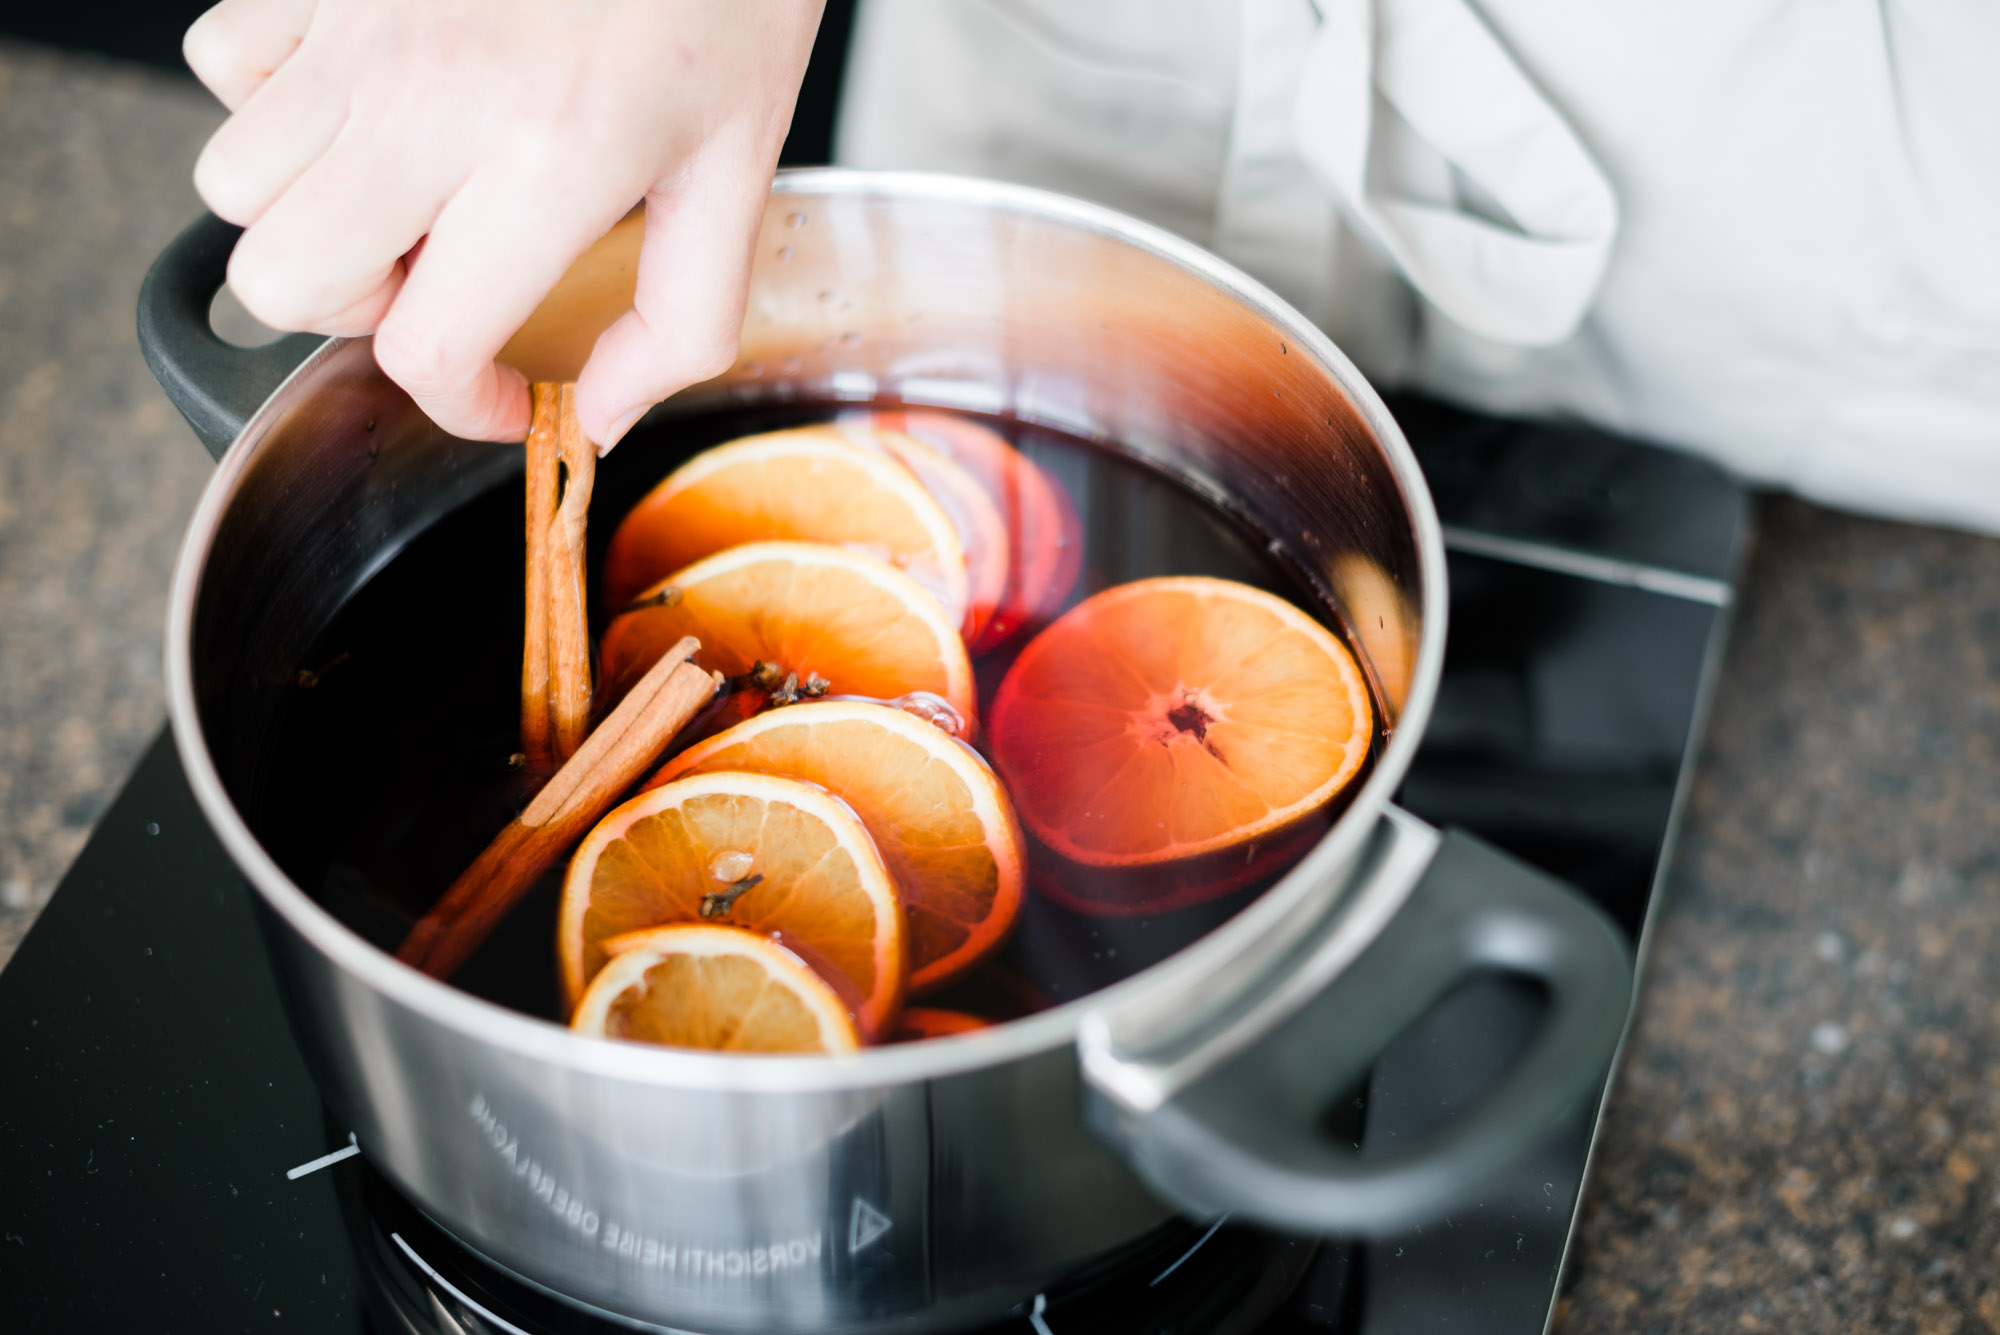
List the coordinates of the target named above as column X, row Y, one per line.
column 324, row 1160
column 865, row 1226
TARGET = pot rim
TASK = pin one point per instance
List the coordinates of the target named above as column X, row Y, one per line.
column 1316, row 875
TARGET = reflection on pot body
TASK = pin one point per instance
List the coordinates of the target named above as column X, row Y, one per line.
column 1381, row 621
column 805, row 1208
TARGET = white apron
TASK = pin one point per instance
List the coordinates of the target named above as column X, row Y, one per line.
column 1764, row 230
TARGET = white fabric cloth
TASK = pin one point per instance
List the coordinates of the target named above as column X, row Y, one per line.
column 1764, row 230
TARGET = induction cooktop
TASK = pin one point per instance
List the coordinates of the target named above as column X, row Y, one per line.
column 166, row 1165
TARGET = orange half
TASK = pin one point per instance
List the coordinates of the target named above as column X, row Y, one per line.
column 769, row 855
column 938, row 815
column 718, row 988
column 859, row 625
column 1170, row 718
column 808, row 484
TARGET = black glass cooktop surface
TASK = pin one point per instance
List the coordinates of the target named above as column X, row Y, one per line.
column 165, row 1163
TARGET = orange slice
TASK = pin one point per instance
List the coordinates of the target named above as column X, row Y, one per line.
column 1170, row 718
column 921, row 1022
column 859, row 625
column 975, row 514
column 981, row 530
column 1044, row 534
column 938, row 815
column 720, row 988
column 769, row 855
column 809, row 484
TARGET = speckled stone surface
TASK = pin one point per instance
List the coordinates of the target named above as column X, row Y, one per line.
column 1804, row 1138
column 1805, row 1134
column 97, row 471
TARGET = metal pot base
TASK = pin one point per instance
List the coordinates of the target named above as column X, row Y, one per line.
column 1185, row 1277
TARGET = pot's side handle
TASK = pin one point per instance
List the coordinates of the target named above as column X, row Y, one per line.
column 215, row 384
column 1247, row 1136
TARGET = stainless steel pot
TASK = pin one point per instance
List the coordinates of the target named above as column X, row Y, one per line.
column 937, row 1183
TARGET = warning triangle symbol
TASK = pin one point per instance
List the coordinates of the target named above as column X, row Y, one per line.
column 865, row 1226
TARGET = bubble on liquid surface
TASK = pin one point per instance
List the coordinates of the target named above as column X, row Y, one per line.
column 784, row 254
column 795, row 221
column 731, row 865
column 934, row 710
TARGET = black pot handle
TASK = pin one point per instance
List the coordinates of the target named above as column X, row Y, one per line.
column 1246, row 1137
column 215, row 384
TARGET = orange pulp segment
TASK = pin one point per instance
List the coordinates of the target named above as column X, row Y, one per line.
column 719, row 988
column 939, row 816
column 769, row 855
column 857, row 624
column 808, row 484
column 1169, row 718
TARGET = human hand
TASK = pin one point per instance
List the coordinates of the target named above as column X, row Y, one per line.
column 425, row 170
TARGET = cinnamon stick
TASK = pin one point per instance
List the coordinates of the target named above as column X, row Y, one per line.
column 569, row 629
column 544, row 480
column 614, row 757
column 555, row 648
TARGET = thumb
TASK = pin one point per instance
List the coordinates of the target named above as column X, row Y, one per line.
column 687, row 315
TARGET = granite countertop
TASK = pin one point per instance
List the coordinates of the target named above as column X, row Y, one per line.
column 1804, row 1134
column 98, row 474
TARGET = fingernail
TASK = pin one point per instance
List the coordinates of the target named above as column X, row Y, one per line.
column 618, row 430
